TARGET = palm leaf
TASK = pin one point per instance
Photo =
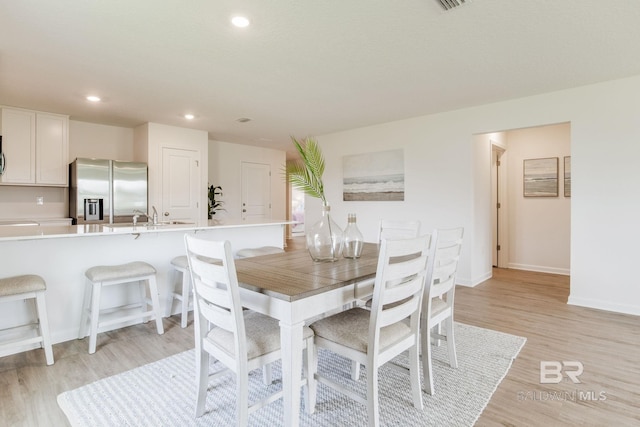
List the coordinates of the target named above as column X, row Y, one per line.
column 306, row 174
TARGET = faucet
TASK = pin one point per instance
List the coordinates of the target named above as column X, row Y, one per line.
column 155, row 216
column 150, row 218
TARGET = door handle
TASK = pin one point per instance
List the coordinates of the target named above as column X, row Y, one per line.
column 166, row 214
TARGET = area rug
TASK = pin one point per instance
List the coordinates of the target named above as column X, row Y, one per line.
column 162, row 393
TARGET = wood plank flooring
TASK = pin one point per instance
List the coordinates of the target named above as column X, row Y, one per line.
column 528, row 304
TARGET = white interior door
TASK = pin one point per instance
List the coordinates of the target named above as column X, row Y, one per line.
column 256, row 191
column 180, row 184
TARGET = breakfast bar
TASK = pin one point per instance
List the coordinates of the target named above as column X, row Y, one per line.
column 61, row 255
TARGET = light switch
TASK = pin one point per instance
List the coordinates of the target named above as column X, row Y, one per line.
column 39, row 200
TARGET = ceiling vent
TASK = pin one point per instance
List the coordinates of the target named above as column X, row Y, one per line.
column 450, row 4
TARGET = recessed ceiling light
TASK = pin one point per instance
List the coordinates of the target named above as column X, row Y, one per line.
column 93, row 98
column 240, row 21
column 189, row 116
column 243, row 120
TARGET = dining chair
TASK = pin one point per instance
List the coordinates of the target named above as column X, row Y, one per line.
column 396, row 229
column 242, row 340
column 436, row 323
column 387, row 229
column 374, row 337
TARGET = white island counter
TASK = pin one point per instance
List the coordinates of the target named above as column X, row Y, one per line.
column 61, row 254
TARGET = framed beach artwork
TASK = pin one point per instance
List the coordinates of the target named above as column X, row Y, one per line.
column 375, row 176
column 567, row 176
column 540, row 177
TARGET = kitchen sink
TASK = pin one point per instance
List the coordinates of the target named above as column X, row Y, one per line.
column 175, row 222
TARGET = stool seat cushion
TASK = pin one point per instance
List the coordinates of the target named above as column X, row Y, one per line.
column 264, row 250
column 21, row 284
column 180, row 262
column 103, row 273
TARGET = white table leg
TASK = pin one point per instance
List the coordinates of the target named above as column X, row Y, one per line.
column 291, row 341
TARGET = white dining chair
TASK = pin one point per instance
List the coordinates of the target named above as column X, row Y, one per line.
column 436, row 323
column 374, row 337
column 387, row 229
column 242, row 340
column 397, row 229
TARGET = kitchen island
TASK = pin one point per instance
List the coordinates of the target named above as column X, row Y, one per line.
column 61, row 254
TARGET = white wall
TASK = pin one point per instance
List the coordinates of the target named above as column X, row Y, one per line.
column 225, row 167
column 149, row 141
column 100, row 141
column 539, row 232
column 442, row 167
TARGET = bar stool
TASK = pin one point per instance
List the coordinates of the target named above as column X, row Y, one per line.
column 106, row 275
column 22, row 288
column 181, row 267
column 264, row 250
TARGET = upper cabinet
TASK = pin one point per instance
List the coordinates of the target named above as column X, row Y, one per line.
column 35, row 147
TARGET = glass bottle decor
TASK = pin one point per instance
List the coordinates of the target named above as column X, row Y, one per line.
column 353, row 240
column 324, row 238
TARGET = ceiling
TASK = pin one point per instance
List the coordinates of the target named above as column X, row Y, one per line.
column 303, row 67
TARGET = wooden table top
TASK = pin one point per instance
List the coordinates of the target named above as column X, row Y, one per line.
column 294, row 275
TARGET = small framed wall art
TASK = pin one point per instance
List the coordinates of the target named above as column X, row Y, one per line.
column 540, row 177
column 567, row 176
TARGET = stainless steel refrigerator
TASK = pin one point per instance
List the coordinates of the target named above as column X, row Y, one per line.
column 106, row 191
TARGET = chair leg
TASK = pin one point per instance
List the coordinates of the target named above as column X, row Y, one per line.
column 44, row 327
column 144, row 303
column 185, row 299
column 242, row 390
column 155, row 300
column 310, row 368
column 372, row 396
column 170, row 293
column 425, row 342
column 414, row 376
column 202, row 376
column 451, row 343
column 312, row 354
column 95, row 315
column 82, row 331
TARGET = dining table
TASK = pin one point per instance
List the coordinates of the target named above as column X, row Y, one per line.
column 294, row 289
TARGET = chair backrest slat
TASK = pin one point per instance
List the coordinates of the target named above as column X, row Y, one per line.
column 216, row 291
column 399, row 283
column 392, row 229
column 441, row 276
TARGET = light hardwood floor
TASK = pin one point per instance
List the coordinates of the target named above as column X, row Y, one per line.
column 532, row 305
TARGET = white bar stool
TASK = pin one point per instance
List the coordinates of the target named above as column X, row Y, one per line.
column 107, row 275
column 22, row 288
column 181, row 267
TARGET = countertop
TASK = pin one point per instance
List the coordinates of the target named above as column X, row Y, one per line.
column 35, row 232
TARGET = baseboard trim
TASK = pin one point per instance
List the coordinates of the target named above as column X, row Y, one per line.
column 475, row 282
column 604, row 305
column 540, row 269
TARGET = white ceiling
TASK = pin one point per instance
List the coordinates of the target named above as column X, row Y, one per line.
column 304, row 67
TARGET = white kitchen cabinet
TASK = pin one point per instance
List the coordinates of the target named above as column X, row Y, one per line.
column 36, row 148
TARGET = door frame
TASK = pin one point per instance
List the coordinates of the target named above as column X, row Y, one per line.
column 499, row 206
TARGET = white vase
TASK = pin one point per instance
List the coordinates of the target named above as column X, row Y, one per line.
column 324, row 238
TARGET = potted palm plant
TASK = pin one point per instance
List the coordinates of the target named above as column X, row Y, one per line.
column 215, row 205
column 324, row 238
